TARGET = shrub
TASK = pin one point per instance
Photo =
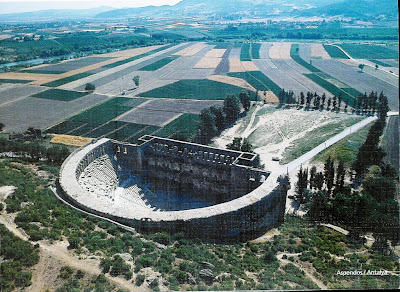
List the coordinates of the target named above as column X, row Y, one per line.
column 90, row 87
column 66, row 272
column 139, row 279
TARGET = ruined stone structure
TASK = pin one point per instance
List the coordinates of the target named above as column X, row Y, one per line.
column 215, row 193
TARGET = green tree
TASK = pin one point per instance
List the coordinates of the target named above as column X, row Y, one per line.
column 361, row 66
column 90, row 87
column 313, row 172
column 231, row 108
column 319, row 180
column 329, row 173
column 340, row 174
column 136, row 80
column 244, row 98
column 1, row 127
column 219, row 117
column 246, row 146
column 236, row 144
column 207, row 126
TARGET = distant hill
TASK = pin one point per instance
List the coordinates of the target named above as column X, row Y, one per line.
column 54, row 14
column 358, row 8
column 230, row 9
column 348, row 8
column 212, row 7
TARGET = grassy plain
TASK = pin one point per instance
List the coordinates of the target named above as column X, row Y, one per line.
column 193, row 89
column 60, row 94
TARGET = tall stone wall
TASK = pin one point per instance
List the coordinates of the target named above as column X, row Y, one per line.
column 208, row 170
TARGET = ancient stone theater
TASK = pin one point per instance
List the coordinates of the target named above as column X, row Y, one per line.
column 168, row 185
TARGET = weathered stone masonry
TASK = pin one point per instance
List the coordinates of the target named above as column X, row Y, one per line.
column 247, row 200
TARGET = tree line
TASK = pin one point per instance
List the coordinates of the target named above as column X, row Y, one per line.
column 371, row 208
column 214, row 119
column 34, row 150
column 366, row 104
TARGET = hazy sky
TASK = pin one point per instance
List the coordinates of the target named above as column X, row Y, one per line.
column 7, row 6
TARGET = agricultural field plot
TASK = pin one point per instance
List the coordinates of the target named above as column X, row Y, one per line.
column 391, row 63
column 369, row 51
column 280, row 51
column 382, row 75
column 318, row 52
column 235, row 53
column 158, row 64
column 13, row 92
column 223, row 66
column 384, row 63
column 192, row 50
column 66, row 80
column 360, row 81
column 185, row 68
column 286, row 67
column 179, row 106
column 235, row 65
column 183, row 128
column 15, row 81
column 149, row 116
column 59, row 94
column 115, row 73
column 147, row 51
column 240, row 82
column 43, row 113
column 258, row 80
column 335, row 52
column 255, row 50
column 95, row 121
column 69, row 65
column 305, row 52
column 281, row 78
column 70, row 140
column 194, row 89
column 391, row 141
column 245, row 54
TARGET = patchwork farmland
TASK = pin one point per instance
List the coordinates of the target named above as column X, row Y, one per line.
column 176, row 82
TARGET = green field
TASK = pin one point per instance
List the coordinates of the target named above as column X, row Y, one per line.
column 349, row 95
column 245, row 52
column 194, row 89
column 294, row 53
column 219, row 45
column 98, row 122
column 364, row 51
column 258, row 80
column 381, row 63
column 34, row 71
column 158, row 64
column 335, row 52
column 66, row 80
column 60, row 94
column 93, row 117
column 183, row 128
column 14, row 81
column 255, row 50
column 112, row 65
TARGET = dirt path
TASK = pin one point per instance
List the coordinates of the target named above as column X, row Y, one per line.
column 249, row 129
column 54, row 256
column 307, row 273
